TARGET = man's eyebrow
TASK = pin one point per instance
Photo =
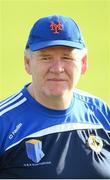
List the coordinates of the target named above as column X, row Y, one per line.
column 44, row 54
column 67, row 54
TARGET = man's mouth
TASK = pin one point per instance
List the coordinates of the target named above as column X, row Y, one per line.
column 56, row 80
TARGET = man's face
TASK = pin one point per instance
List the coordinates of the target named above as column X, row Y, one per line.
column 55, row 70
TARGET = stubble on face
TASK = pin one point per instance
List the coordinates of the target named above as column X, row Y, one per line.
column 52, row 78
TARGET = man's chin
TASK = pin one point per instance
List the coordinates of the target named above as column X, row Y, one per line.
column 57, row 94
column 57, row 91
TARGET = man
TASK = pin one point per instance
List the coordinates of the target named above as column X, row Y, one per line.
column 50, row 129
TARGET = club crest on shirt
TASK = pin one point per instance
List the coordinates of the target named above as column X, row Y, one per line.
column 34, row 150
column 95, row 143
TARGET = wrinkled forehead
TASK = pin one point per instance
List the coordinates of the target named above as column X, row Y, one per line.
column 64, row 49
column 59, row 51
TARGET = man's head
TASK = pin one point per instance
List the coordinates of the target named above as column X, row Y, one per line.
column 55, row 56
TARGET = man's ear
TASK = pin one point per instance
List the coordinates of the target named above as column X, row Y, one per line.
column 84, row 64
column 27, row 64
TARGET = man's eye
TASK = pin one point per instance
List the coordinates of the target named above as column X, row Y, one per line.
column 68, row 58
column 45, row 58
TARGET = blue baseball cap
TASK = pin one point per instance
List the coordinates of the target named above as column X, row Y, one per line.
column 55, row 30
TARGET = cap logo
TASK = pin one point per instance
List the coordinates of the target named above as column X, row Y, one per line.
column 56, row 27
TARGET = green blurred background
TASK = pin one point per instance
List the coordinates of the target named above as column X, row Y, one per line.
column 16, row 19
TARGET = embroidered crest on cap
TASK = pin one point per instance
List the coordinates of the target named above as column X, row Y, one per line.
column 56, row 27
column 95, row 143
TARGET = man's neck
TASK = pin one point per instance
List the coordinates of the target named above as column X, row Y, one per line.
column 56, row 102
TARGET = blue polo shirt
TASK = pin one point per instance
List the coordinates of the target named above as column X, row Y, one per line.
column 42, row 143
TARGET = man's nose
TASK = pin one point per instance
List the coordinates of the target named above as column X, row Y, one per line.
column 57, row 66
